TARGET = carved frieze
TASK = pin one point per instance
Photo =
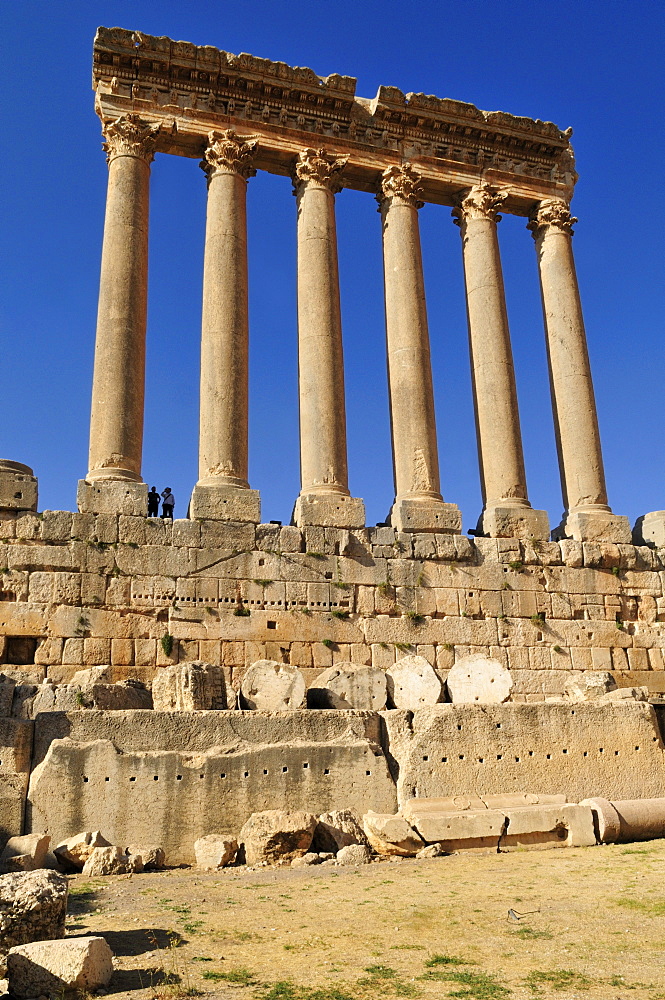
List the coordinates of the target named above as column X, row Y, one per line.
column 316, row 166
column 130, row 136
column 230, row 153
column 401, row 183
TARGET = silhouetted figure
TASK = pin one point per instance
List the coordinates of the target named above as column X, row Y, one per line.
column 153, row 503
column 168, row 503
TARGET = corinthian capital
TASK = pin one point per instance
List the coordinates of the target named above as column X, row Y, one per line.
column 227, row 152
column 320, row 168
column 402, row 183
column 479, row 202
column 130, row 136
column 553, row 213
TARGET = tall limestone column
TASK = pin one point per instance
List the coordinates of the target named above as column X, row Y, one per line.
column 222, row 491
column 587, row 515
column 324, row 497
column 506, row 509
column 113, row 483
column 418, row 504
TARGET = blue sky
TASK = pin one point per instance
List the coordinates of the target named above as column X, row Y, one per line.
column 595, row 65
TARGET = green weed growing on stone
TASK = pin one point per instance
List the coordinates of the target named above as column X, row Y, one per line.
column 166, row 642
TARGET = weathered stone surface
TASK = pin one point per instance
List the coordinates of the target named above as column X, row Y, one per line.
column 413, row 684
column 310, row 859
column 33, row 906
column 269, row 686
column 47, row 968
column 18, row 486
column 7, row 686
column 549, row 826
column 446, row 828
column 338, row 829
column 25, row 853
column 276, row 837
column 111, row 861
column 589, row 685
column 391, row 835
column 12, row 799
column 354, row 854
column 153, row 858
column 626, row 694
column 214, row 851
column 479, row 679
column 349, row 685
column 74, row 852
column 189, row 687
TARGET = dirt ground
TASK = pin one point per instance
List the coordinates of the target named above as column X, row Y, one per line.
column 586, row 923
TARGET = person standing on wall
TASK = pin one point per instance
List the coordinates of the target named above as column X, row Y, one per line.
column 168, row 503
column 153, row 503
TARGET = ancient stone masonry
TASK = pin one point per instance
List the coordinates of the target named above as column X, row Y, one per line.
column 215, row 666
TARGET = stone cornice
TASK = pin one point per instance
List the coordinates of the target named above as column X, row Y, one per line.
column 228, row 152
column 454, row 144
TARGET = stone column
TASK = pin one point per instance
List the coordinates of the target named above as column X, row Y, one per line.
column 506, row 509
column 324, row 496
column 113, row 483
column 418, row 502
column 587, row 515
column 222, row 491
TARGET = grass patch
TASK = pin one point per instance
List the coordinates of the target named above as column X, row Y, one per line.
column 557, row 979
column 287, row 990
column 474, row 985
column 437, row 960
column 240, row 976
column 531, row 934
column 652, row 908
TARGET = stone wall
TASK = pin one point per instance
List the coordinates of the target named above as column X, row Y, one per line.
column 82, row 589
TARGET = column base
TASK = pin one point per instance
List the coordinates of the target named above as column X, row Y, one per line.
column 18, row 486
column 109, row 496
column 328, row 510
column 514, row 522
column 594, row 526
column 225, row 503
column 426, row 515
column 650, row 529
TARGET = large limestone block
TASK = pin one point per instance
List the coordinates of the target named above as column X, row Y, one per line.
column 349, row 685
column 517, row 800
column 111, row 861
column 442, row 804
column 33, row 906
column 189, row 687
column 269, row 686
column 354, row 854
column 25, row 853
column 443, row 827
column 480, row 680
column 18, row 486
column 75, row 851
column 120, row 697
column 338, row 829
column 214, row 852
column 391, row 835
column 46, row 968
column 276, row 837
column 7, row 686
column 151, row 857
column 588, row 685
column 413, row 684
column 550, row 826
column 12, row 799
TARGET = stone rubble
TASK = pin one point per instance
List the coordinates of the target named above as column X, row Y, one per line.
column 214, row 852
column 73, row 853
column 269, row 686
column 50, row 968
column 274, row 836
column 111, row 861
column 349, row 685
column 33, row 907
column 26, row 853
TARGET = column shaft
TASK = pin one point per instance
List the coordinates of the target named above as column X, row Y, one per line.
column 222, row 491
column 418, row 502
column 506, row 509
column 324, row 496
column 573, row 402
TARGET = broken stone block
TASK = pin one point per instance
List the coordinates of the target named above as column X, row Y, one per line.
column 626, row 694
column 444, row 827
column 189, row 687
column 589, row 685
column 25, row 853
column 308, row 859
column 272, row 687
column 111, row 861
column 354, row 854
column 413, row 684
column 45, row 968
column 338, row 829
column 33, row 906
column 72, row 854
column 349, row 685
column 432, row 851
column 214, row 851
column 549, row 826
column 153, row 858
column 122, row 696
column 479, row 679
column 275, row 837
column 391, row 835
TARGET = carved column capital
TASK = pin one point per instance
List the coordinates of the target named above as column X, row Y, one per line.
column 317, row 167
column 401, row 183
column 229, row 153
column 479, row 202
column 553, row 213
column 129, row 135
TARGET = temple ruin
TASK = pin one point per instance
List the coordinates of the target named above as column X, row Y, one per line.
column 127, row 598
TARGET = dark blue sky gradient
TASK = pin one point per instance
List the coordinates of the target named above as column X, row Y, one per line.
column 595, row 65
